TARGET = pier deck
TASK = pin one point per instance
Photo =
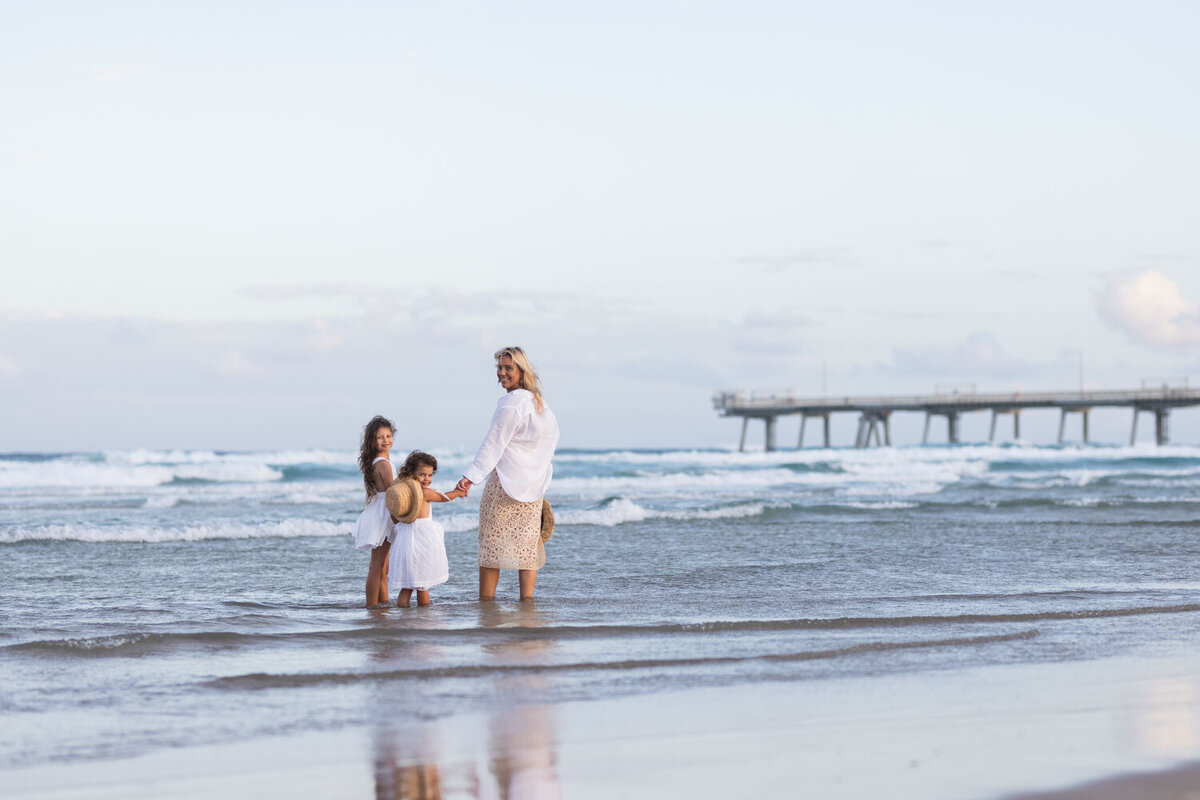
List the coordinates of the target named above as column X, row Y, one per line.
column 875, row 411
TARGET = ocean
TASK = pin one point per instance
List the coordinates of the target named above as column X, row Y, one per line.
column 161, row 600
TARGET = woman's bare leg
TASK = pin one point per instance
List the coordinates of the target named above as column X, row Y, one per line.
column 528, row 578
column 488, row 578
column 423, row 597
column 403, row 598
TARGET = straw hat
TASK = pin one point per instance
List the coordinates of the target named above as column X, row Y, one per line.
column 547, row 520
column 404, row 499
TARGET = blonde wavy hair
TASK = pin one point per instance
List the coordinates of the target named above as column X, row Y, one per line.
column 529, row 379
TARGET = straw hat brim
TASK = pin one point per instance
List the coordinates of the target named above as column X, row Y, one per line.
column 403, row 499
column 547, row 520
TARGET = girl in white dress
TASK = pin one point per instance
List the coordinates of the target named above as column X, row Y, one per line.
column 374, row 523
column 419, row 548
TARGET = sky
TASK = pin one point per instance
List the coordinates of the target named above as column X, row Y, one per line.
column 255, row 225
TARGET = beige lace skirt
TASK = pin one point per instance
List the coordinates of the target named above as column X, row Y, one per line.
column 509, row 530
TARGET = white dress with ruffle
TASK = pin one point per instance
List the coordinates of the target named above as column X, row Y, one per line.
column 374, row 523
column 418, row 555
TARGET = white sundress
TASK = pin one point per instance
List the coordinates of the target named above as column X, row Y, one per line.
column 418, row 554
column 374, row 523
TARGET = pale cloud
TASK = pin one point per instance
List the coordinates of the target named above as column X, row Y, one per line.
column 232, row 364
column 294, row 291
column 980, row 355
column 835, row 257
column 113, row 73
column 8, row 367
column 324, row 337
column 1150, row 310
column 681, row 371
column 771, row 334
column 427, row 364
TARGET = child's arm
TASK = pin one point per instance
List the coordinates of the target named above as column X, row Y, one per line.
column 434, row 496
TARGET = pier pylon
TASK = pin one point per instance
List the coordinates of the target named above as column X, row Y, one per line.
column 1161, row 424
column 951, row 425
column 824, row 416
column 1062, row 421
column 1016, row 415
column 869, row 425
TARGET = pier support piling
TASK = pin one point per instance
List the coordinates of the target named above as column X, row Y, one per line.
column 876, row 427
column 1161, row 434
column 951, row 424
column 1062, row 422
column 1161, row 424
column 742, row 443
column 1016, row 415
column 803, row 422
column 770, row 443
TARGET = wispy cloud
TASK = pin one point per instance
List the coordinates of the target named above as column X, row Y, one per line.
column 1149, row 309
column 8, row 367
column 424, row 358
column 980, row 355
column 772, row 334
column 113, row 73
column 297, row 291
column 1173, row 258
column 233, row 364
column 828, row 257
column 324, row 337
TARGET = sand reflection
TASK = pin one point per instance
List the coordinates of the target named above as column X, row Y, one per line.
column 521, row 737
column 408, row 771
column 507, row 754
column 1166, row 723
column 523, row 758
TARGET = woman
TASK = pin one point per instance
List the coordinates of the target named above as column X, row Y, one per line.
column 515, row 460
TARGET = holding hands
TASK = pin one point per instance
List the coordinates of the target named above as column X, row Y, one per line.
column 463, row 486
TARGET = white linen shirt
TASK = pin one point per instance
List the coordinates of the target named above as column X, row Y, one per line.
column 519, row 445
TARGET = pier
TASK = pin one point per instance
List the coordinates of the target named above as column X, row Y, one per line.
column 874, row 422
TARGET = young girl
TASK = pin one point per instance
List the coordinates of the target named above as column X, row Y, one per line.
column 374, row 523
column 419, row 562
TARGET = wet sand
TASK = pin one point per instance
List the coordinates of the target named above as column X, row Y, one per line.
column 1113, row 728
column 1182, row 783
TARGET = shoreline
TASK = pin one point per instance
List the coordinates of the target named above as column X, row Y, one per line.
column 1176, row 783
column 1055, row 731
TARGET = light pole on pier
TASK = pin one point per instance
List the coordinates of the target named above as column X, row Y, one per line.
column 1078, row 352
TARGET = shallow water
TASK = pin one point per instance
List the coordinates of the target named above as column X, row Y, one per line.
column 160, row 599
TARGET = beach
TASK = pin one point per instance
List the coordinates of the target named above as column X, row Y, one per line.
column 983, row 622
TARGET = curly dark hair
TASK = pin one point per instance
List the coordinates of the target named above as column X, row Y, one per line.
column 416, row 459
column 367, row 452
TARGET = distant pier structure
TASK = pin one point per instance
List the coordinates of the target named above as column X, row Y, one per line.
column 874, row 421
